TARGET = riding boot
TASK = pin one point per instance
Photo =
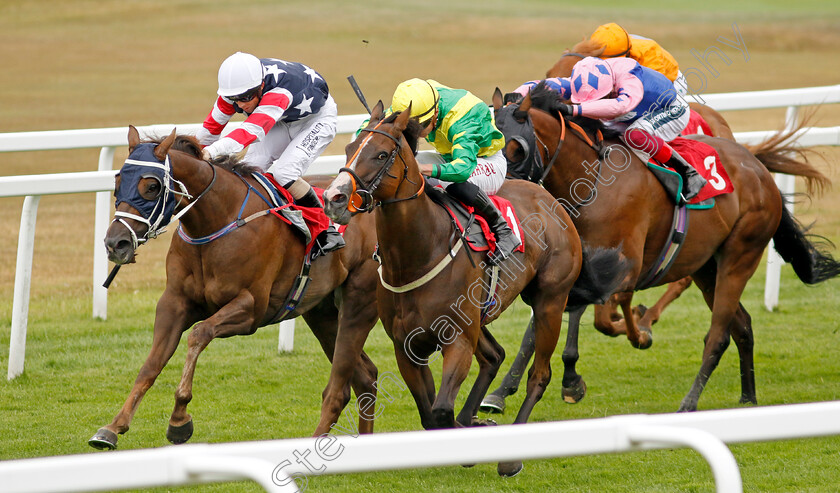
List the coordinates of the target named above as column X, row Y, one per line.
column 330, row 239
column 692, row 181
column 506, row 241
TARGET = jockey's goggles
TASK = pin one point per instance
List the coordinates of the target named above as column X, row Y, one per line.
column 246, row 96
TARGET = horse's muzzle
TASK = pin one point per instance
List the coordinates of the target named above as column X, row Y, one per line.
column 336, row 199
column 119, row 248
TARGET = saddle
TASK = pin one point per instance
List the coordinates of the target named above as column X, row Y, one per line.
column 474, row 229
column 706, row 161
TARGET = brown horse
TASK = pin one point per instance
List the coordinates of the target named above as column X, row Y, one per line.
column 232, row 284
column 607, row 319
column 724, row 244
column 423, row 273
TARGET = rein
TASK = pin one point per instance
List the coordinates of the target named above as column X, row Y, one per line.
column 365, row 202
column 596, row 145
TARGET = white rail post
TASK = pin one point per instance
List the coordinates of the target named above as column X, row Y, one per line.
column 23, row 280
column 100, row 228
column 286, row 342
column 787, row 185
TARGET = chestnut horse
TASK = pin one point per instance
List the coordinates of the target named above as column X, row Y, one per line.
column 232, row 284
column 607, row 319
column 423, row 273
column 724, row 244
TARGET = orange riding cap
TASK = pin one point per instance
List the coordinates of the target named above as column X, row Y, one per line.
column 646, row 51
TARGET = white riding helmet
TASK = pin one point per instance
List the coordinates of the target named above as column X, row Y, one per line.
column 239, row 73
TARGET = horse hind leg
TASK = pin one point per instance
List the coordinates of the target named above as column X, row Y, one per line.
column 495, row 401
column 490, row 355
column 170, row 322
column 742, row 334
column 722, row 285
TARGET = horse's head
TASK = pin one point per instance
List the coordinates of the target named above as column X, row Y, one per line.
column 145, row 199
column 524, row 160
column 368, row 178
column 567, row 61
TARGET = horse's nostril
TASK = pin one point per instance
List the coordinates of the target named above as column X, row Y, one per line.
column 339, row 198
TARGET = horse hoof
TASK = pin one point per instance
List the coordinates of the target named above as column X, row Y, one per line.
column 492, row 404
column 104, row 439
column 476, row 421
column 509, row 469
column 179, row 434
column 574, row 393
column 645, row 338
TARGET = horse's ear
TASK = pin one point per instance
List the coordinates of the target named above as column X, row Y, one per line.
column 525, row 105
column 497, row 98
column 133, row 138
column 377, row 112
column 163, row 148
column 402, row 119
column 521, row 113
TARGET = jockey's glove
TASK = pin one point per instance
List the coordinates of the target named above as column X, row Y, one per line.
column 565, row 109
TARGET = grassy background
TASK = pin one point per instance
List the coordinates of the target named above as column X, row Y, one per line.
column 89, row 64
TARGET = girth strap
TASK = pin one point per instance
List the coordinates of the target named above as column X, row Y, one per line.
column 676, row 237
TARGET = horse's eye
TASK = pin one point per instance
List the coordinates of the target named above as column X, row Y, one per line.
column 382, row 155
column 150, row 189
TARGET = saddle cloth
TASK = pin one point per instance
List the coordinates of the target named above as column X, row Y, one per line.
column 696, row 125
column 310, row 221
column 705, row 160
column 478, row 234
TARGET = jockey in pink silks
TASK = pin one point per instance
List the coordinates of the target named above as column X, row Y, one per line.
column 635, row 100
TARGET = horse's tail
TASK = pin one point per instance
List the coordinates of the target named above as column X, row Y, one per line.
column 779, row 156
column 601, row 272
column 809, row 259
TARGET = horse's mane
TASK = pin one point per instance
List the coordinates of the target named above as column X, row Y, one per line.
column 411, row 132
column 545, row 98
column 588, row 47
column 188, row 144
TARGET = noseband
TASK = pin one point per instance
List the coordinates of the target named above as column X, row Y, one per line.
column 361, row 198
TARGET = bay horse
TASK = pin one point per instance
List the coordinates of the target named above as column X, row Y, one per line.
column 607, row 319
column 724, row 244
column 234, row 274
column 422, row 273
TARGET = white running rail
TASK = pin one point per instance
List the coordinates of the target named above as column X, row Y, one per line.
column 275, row 466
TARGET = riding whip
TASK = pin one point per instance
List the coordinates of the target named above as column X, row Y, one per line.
column 358, row 92
column 111, row 276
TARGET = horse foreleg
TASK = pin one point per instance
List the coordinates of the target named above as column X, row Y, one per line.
column 675, row 289
column 171, row 320
column 495, row 402
column 350, row 365
column 639, row 337
column 607, row 320
column 235, row 318
column 574, row 388
column 457, row 358
column 548, row 317
column 417, row 376
column 490, row 355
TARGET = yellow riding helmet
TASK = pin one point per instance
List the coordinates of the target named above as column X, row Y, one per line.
column 422, row 96
column 615, row 39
